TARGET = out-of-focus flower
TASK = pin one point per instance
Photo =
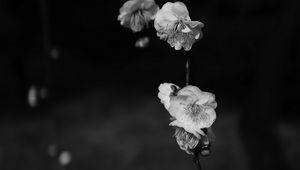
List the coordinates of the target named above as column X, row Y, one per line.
column 174, row 24
column 35, row 94
column 52, row 150
column 64, row 158
column 32, row 96
column 192, row 113
column 142, row 42
column 135, row 14
column 54, row 53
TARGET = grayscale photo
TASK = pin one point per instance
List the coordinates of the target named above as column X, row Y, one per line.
column 149, row 85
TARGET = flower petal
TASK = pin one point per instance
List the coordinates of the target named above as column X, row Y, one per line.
column 177, row 46
column 153, row 10
column 165, row 91
column 206, row 98
column 196, row 29
column 170, row 13
column 180, row 10
column 186, row 126
column 137, row 22
column 164, row 20
column 191, row 91
column 185, row 140
column 146, row 4
column 212, row 117
column 194, row 24
column 177, row 105
column 127, row 7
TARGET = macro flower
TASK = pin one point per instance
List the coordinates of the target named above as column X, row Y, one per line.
column 174, row 24
column 135, row 14
column 192, row 114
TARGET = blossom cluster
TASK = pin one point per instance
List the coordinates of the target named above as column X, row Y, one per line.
column 192, row 112
column 172, row 22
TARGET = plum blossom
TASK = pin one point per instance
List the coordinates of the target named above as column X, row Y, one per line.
column 192, row 114
column 174, row 24
column 135, row 14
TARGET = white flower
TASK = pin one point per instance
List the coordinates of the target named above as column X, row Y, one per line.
column 191, row 110
column 174, row 24
column 135, row 14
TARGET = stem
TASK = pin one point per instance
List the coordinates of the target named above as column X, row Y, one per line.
column 187, row 66
column 197, row 160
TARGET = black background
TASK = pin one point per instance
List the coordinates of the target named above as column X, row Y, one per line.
column 102, row 104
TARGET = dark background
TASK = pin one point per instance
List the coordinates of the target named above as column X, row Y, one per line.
column 102, row 104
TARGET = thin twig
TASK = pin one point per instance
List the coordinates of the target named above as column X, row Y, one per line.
column 187, row 66
column 197, row 161
column 187, row 82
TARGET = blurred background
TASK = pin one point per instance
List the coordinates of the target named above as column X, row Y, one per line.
column 76, row 93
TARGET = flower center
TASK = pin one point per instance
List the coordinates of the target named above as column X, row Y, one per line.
column 179, row 26
column 138, row 12
column 195, row 109
column 197, row 113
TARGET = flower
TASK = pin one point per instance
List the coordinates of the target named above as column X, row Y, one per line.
column 192, row 113
column 174, row 24
column 135, row 14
